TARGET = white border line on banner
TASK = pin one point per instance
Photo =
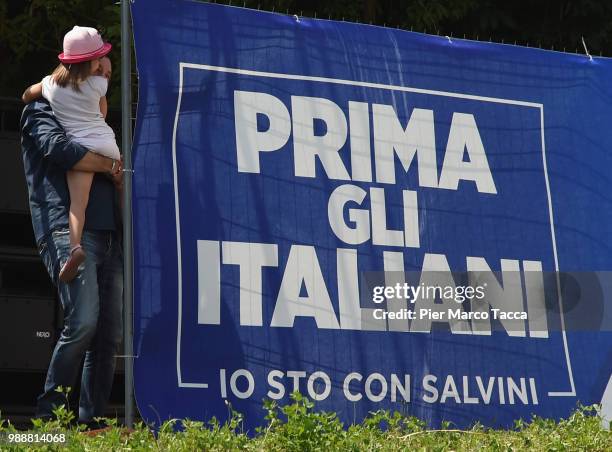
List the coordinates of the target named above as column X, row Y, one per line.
column 248, row 72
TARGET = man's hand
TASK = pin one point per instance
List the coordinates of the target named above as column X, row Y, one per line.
column 117, row 175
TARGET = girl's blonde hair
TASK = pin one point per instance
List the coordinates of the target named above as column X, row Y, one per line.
column 71, row 74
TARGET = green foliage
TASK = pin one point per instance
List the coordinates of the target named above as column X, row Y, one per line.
column 304, row 429
column 298, row 427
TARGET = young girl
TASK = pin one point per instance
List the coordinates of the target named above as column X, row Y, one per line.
column 76, row 94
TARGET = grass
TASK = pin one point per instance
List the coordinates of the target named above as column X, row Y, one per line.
column 297, row 427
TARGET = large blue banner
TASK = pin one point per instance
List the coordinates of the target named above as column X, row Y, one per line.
column 373, row 217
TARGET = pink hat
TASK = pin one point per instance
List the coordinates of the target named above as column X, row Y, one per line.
column 83, row 44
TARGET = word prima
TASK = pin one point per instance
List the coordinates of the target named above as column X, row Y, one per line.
column 390, row 139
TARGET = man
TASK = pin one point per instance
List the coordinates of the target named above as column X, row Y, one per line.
column 92, row 302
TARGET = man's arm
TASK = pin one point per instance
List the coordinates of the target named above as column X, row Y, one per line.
column 38, row 123
column 96, row 163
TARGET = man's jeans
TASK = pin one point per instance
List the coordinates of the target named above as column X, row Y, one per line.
column 93, row 320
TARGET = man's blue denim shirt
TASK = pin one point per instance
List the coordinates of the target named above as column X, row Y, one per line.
column 47, row 155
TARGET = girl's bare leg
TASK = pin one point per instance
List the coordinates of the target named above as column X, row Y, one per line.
column 79, row 184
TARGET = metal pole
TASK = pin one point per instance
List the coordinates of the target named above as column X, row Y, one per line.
column 126, row 145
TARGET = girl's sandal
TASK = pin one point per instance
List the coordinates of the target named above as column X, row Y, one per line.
column 71, row 267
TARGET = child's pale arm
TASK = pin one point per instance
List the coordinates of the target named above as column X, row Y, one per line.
column 32, row 93
column 103, row 106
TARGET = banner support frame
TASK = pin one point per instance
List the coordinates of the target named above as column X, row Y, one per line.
column 126, row 145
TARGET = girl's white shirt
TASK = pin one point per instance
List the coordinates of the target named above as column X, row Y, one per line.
column 79, row 111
